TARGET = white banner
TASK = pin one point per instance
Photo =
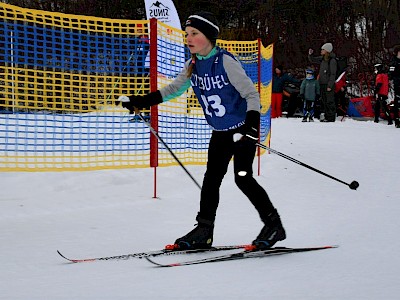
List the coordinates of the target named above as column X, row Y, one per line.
column 170, row 46
column 164, row 11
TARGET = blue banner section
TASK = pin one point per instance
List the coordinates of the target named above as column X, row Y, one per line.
column 30, row 45
column 266, row 71
column 251, row 68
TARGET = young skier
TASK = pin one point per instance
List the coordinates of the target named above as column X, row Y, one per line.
column 309, row 91
column 381, row 93
column 231, row 105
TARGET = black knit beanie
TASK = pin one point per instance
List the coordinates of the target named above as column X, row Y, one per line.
column 206, row 23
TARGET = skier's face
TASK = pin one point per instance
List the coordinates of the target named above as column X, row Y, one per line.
column 197, row 41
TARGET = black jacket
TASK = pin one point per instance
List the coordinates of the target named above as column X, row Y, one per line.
column 394, row 69
column 327, row 69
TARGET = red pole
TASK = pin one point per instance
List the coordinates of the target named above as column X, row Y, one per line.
column 154, row 108
column 259, row 92
column 272, row 73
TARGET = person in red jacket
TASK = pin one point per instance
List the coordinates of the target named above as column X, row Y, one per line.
column 381, row 93
column 279, row 78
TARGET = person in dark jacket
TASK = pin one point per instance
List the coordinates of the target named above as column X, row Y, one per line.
column 279, row 79
column 394, row 74
column 326, row 78
column 231, row 106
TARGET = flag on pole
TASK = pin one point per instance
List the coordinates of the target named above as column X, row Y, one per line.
column 164, row 11
column 170, row 44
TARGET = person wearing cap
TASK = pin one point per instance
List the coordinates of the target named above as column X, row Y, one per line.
column 141, row 65
column 142, row 43
column 279, row 79
column 309, row 91
column 326, row 77
column 381, row 92
column 231, row 106
column 394, row 74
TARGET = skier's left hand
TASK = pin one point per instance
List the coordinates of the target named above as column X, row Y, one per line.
column 251, row 126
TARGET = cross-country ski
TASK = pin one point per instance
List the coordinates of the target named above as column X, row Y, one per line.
column 151, row 254
column 240, row 255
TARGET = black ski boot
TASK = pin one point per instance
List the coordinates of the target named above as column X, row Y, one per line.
column 271, row 233
column 199, row 238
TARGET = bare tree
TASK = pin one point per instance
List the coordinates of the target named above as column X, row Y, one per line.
column 364, row 30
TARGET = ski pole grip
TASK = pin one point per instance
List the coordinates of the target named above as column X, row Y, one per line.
column 123, row 98
column 126, row 99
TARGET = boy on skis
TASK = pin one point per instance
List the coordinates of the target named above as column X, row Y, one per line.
column 309, row 92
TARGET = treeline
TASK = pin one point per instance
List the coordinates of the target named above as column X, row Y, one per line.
column 364, row 30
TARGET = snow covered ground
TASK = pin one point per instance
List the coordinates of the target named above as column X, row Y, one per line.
column 112, row 212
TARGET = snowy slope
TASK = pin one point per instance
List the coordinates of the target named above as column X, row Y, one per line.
column 105, row 213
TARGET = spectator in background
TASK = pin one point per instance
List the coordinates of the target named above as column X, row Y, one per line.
column 381, row 92
column 394, row 74
column 326, row 78
column 341, row 100
column 142, row 43
column 278, row 82
column 142, row 65
column 309, row 92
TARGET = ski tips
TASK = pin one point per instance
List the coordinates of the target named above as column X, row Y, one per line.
column 332, row 246
column 63, row 255
column 76, row 260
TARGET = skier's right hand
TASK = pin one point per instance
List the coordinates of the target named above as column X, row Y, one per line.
column 141, row 102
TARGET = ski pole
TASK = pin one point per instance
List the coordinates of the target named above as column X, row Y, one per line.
column 153, row 131
column 169, row 149
column 353, row 185
column 116, row 83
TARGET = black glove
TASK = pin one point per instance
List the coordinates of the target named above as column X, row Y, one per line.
column 251, row 125
column 145, row 101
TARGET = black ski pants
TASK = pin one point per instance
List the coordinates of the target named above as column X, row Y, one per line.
column 396, row 108
column 328, row 103
column 382, row 104
column 220, row 151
